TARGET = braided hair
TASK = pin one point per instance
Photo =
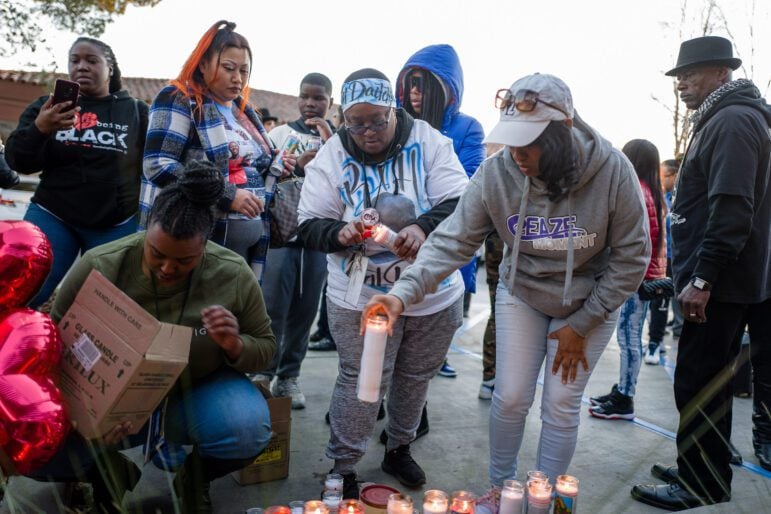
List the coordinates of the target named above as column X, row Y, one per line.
column 433, row 102
column 116, row 84
column 185, row 209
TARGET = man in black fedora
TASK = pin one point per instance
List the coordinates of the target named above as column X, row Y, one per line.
column 268, row 121
column 721, row 261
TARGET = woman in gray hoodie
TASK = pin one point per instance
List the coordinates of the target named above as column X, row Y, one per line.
column 569, row 209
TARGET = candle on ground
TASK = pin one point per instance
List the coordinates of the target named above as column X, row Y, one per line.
column 435, row 502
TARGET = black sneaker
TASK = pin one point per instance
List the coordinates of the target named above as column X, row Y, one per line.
column 325, row 344
column 316, row 336
column 597, row 400
column 619, row 406
column 401, row 465
column 350, row 487
column 420, row 432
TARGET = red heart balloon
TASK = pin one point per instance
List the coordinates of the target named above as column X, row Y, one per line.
column 30, row 344
column 33, row 422
column 25, row 261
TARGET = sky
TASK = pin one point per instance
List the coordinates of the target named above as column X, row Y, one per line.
column 611, row 53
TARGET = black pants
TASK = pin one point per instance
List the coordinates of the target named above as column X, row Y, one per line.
column 759, row 322
column 704, row 398
column 658, row 324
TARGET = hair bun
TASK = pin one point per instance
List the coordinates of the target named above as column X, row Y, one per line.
column 202, row 183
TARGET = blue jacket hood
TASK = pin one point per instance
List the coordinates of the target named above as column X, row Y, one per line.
column 443, row 62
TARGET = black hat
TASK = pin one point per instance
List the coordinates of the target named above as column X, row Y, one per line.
column 266, row 115
column 707, row 50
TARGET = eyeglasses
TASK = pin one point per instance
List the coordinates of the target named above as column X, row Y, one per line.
column 524, row 101
column 378, row 126
column 417, row 83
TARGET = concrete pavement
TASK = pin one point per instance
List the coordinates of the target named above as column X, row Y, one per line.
column 611, row 456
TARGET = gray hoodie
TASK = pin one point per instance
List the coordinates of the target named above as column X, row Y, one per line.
column 578, row 258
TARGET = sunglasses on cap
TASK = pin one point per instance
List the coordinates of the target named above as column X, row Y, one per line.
column 524, row 100
column 416, row 82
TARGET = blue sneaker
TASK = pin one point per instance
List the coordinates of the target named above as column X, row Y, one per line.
column 447, row 371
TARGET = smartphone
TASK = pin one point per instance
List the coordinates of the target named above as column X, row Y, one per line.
column 66, row 91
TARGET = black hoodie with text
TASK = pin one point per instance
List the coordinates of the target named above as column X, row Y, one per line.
column 91, row 172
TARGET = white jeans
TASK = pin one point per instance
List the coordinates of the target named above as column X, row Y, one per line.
column 521, row 345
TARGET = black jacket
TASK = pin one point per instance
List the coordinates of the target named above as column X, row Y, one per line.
column 321, row 234
column 8, row 177
column 91, row 173
column 721, row 211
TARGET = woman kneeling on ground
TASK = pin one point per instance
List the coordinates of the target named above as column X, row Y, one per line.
column 176, row 274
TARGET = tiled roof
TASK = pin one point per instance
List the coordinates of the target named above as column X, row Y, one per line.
column 282, row 106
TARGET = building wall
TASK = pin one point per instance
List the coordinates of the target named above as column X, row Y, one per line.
column 14, row 98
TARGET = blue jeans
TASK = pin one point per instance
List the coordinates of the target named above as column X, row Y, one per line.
column 629, row 335
column 522, row 346
column 67, row 242
column 224, row 416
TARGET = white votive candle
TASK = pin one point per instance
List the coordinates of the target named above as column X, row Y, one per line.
column 372, row 355
column 512, row 498
column 435, row 502
column 538, row 496
column 399, row 504
column 332, row 500
column 333, row 482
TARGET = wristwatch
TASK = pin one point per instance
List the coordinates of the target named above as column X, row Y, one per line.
column 701, row 284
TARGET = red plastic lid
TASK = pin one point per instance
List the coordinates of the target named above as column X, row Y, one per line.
column 376, row 495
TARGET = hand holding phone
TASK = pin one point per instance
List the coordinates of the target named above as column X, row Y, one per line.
column 66, row 91
column 59, row 112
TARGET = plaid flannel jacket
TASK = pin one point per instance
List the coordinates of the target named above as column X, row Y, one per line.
column 178, row 133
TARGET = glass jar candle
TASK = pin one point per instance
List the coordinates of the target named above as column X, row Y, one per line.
column 566, row 500
column 463, row 502
column 435, row 502
column 512, row 498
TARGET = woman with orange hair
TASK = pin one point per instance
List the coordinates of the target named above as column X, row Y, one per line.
column 204, row 114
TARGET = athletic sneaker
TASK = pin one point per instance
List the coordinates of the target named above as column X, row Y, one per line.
column 261, row 378
column 653, row 354
column 597, row 400
column 447, row 371
column 486, row 389
column 284, row 387
column 489, row 502
column 619, row 406
column 325, row 344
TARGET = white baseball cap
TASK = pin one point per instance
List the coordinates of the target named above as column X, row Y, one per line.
column 528, row 106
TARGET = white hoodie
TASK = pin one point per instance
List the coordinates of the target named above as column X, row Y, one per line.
column 426, row 170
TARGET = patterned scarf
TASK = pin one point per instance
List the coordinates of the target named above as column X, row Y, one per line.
column 715, row 97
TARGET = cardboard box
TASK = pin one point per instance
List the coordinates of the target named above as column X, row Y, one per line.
column 119, row 362
column 273, row 462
